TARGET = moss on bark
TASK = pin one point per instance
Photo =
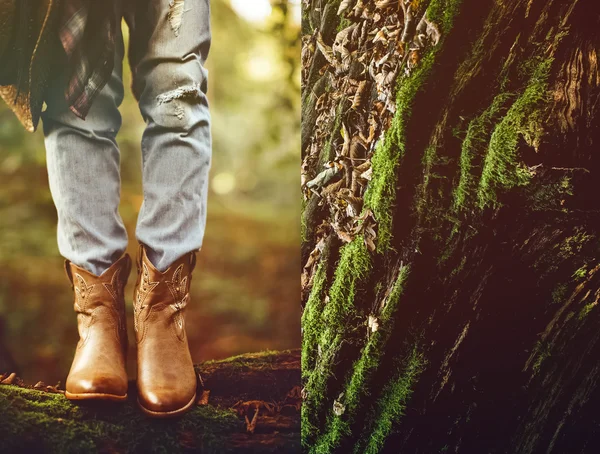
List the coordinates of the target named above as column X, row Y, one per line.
column 484, row 185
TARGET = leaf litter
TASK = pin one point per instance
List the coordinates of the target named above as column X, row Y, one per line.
column 376, row 41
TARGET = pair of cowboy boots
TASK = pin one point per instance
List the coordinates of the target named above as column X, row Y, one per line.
column 166, row 380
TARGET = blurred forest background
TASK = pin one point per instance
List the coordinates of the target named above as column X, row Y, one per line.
column 245, row 290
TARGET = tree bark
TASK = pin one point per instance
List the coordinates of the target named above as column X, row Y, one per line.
column 41, row 420
column 450, row 297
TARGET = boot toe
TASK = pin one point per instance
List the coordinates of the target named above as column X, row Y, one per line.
column 99, row 385
column 166, row 401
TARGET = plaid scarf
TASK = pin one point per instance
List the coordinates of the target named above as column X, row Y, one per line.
column 88, row 31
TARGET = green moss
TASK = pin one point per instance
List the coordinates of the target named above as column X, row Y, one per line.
column 311, row 319
column 542, row 352
column 586, row 310
column 551, row 195
column 247, row 360
column 381, row 192
column 502, row 169
column 473, row 145
column 336, row 320
column 580, row 273
column 352, row 268
column 390, row 407
column 344, row 23
column 34, row 421
column 574, row 244
column 338, row 426
column 559, row 293
column 579, row 248
column 443, row 13
column 461, row 266
column 340, row 316
column 566, row 185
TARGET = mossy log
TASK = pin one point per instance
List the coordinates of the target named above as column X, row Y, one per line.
column 459, row 312
column 39, row 421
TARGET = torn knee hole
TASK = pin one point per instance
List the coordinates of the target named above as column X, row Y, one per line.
column 188, row 93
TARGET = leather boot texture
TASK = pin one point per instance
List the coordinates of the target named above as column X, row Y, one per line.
column 98, row 369
column 166, row 378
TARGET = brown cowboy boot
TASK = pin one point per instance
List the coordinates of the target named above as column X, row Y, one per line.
column 98, row 369
column 166, row 378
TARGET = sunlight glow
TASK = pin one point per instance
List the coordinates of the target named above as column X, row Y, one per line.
column 223, row 183
column 261, row 67
column 296, row 11
column 252, row 10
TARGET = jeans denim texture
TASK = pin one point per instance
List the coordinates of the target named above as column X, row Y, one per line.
column 169, row 43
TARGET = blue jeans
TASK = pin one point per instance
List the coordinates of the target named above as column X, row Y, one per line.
column 83, row 159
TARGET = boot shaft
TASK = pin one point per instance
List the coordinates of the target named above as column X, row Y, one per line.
column 162, row 295
column 99, row 301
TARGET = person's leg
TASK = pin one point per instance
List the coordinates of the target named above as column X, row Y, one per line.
column 83, row 169
column 84, row 174
column 169, row 44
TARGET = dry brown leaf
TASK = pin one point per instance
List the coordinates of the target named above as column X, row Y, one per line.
column 251, row 425
column 370, row 244
column 326, row 50
column 408, row 20
column 54, row 389
column 203, row 400
column 10, row 379
column 358, row 150
column 333, row 187
column 386, row 3
column 243, row 408
column 342, row 235
column 338, row 407
column 295, row 393
column 343, row 6
column 323, row 178
column 346, row 137
column 373, row 323
column 358, row 8
column 380, row 37
column 360, row 95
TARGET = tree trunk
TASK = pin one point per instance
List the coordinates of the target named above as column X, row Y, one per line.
column 451, row 283
column 41, row 420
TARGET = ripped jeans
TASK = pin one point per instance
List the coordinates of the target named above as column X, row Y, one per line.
column 169, row 80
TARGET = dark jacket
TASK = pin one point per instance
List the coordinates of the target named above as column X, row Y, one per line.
column 29, row 51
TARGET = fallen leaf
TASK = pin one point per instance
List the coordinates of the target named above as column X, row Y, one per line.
column 204, row 398
column 360, row 95
column 323, row 178
column 326, row 50
column 338, row 407
column 373, row 323
column 251, row 425
column 343, row 6
column 10, row 379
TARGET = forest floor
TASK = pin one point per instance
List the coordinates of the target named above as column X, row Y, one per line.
column 246, row 403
